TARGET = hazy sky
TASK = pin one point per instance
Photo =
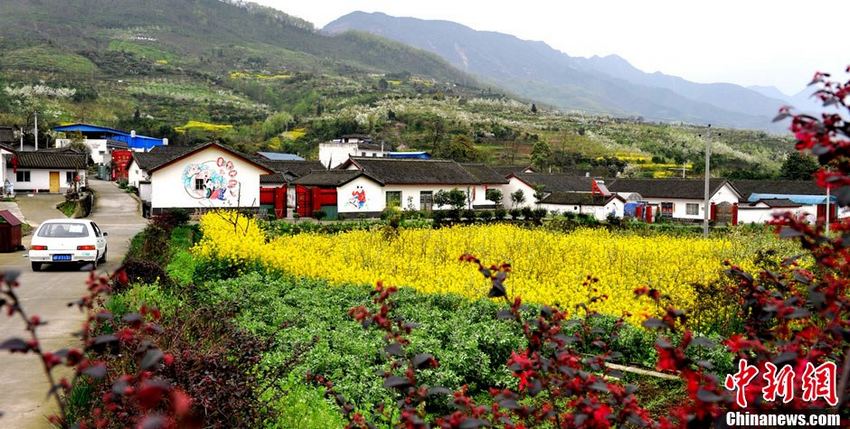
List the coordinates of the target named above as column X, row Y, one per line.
column 749, row 42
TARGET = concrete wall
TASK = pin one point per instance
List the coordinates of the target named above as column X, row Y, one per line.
column 724, row 194
column 513, row 185
column 762, row 213
column 40, row 180
column 229, row 181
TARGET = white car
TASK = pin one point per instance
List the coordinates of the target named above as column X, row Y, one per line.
column 67, row 241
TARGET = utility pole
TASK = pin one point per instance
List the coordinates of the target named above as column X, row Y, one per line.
column 36, row 130
column 707, row 207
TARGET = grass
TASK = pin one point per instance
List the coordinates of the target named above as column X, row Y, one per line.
column 68, row 208
column 48, row 59
column 181, row 267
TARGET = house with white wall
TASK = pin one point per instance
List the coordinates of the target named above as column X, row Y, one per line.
column 681, row 199
column 336, row 152
column 44, row 171
column 201, row 178
column 529, row 183
column 365, row 186
column 594, row 204
column 762, row 199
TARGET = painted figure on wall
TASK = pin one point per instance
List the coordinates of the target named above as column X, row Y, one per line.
column 212, row 180
column 358, row 198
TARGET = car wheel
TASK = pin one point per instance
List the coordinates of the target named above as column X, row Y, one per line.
column 36, row 266
column 94, row 264
column 103, row 257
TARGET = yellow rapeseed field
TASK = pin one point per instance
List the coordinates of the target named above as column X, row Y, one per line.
column 548, row 267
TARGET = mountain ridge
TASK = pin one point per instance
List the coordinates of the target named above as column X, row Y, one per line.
column 597, row 84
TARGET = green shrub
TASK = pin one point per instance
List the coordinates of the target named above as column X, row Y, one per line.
column 486, row 215
column 302, row 406
column 500, row 213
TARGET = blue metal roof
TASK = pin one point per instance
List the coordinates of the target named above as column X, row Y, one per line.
column 279, row 156
column 409, row 155
column 87, row 128
column 806, row 200
column 133, row 142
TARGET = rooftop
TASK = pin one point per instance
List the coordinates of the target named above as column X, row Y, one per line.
column 413, row 171
column 690, row 189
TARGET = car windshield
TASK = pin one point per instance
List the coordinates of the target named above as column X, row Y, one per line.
column 63, row 230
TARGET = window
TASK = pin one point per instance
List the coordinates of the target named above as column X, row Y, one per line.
column 63, row 230
column 69, row 177
column 362, row 153
column 199, row 184
column 23, row 176
column 426, row 200
column 374, row 154
column 692, row 209
column 96, row 229
column 667, row 209
column 393, row 198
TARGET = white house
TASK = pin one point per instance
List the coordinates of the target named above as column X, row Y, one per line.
column 761, row 199
column 598, row 206
column 681, row 199
column 529, row 183
column 200, row 178
column 364, row 187
column 44, row 171
column 336, row 152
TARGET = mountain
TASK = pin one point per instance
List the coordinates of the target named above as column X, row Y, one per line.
column 801, row 101
column 599, row 84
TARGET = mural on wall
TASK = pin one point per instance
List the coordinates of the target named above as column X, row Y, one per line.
column 213, row 180
column 358, row 198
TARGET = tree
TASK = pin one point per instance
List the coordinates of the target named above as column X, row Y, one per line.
column 798, row 166
column 459, row 148
column 533, row 108
column 541, row 154
column 517, row 198
column 456, row 199
column 494, row 195
column 383, row 84
column 539, row 193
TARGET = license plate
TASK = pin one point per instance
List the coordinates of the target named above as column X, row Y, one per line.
column 61, row 257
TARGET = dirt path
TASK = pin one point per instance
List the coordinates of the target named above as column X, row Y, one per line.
column 23, row 387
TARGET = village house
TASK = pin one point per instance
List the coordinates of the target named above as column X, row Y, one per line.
column 199, row 178
column 277, row 190
column 373, row 184
column 594, row 204
column 530, row 183
column 102, row 140
column 336, row 152
column 681, row 199
column 43, row 171
column 761, row 199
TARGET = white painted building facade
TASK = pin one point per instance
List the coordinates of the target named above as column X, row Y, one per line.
column 336, row 152
column 208, row 177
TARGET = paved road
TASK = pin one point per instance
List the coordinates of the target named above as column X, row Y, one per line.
column 22, row 384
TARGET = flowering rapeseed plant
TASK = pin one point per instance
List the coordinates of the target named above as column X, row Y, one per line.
column 548, row 267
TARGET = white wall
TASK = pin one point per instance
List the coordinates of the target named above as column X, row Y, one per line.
column 135, row 174
column 599, row 212
column 173, row 186
column 99, row 154
column 336, row 153
column 724, row 194
column 40, row 179
column 511, row 187
column 376, row 195
column 762, row 213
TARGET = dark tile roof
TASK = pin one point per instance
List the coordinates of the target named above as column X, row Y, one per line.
column 577, row 198
column 414, row 171
column 329, row 177
column 159, row 155
column 507, row 170
column 295, row 168
column 50, row 159
column 484, row 173
column 7, row 134
column 557, row 182
column 777, row 202
column 7, row 217
column 779, row 187
column 692, row 189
